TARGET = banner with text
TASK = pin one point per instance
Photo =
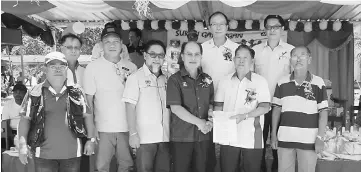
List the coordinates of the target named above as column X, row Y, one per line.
column 248, row 37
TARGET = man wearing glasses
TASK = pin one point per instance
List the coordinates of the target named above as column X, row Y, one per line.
column 147, row 114
column 190, row 98
column 272, row 62
column 70, row 47
column 217, row 58
column 104, row 82
column 52, row 121
column 300, row 112
column 219, row 51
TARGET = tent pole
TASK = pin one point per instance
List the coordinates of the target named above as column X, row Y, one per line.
column 22, row 61
column 53, row 32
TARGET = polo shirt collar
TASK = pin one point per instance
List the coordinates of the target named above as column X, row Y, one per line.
column 211, row 42
column 280, row 43
column 248, row 75
column 308, row 77
column 46, row 84
column 184, row 72
column 147, row 72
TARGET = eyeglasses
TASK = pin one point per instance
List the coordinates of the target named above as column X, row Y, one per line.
column 276, row 27
column 72, row 48
column 218, row 25
column 302, row 57
column 154, row 55
column 58, row 67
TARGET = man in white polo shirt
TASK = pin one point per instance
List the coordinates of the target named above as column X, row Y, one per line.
column 272, row 62
column 217, row 59
column 104, row 82
column 246, row 94
column 218, row 52
column 147, row 114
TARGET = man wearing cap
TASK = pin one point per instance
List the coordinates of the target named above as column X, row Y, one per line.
column 104, row 82
column 98, row 51
column 54, row 116
column 12, row 108
column 272, row 62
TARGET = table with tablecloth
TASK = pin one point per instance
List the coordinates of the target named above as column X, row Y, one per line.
column 338, row 166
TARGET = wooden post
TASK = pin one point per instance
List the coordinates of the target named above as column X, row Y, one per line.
column 53, row 32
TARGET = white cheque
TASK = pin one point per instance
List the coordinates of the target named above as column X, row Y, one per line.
column 224, row 129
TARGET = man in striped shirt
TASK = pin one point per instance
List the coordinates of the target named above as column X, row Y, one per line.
column 300, row 102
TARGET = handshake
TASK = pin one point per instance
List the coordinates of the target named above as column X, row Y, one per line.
column 205, row 126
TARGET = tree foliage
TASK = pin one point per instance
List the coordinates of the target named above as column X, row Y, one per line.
column 35, row 46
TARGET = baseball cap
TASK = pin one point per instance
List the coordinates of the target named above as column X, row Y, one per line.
column 55, row 56
column 110, row 29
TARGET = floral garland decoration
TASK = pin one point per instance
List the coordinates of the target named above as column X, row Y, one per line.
column 308, row 91
column 206, row 81
column 251, row 95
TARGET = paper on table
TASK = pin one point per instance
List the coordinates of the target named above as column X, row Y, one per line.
column 224, row 129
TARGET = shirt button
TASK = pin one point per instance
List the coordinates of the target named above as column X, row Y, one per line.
column 198, row 98
column 199, row 107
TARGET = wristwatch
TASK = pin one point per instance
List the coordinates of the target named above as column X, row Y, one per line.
column 246, row 117
column 321, row 138
column 91, row 139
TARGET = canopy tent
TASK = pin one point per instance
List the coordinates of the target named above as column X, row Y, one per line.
column 336, row 64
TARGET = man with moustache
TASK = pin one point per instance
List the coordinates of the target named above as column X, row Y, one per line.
column 247, row 94
column 272, row 62
column 300, row 111
column 104, row 82
column 190, row 98
column 52, row 121
column 147, row 114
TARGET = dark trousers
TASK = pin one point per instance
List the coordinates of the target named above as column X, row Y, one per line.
column 190, row 155
column 85, row 160
column 212, row 160
column 57, row 165
column 267, row 129
column 153, row 157
column 234, row 159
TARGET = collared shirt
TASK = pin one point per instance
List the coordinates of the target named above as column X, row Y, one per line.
column 218, row 61
column 301, row 104
column 60, row 142
column 11, row 111
column 195, row 95
column 148, row 93
column 272, row 64
column 79, row 73
column 139, row 49
column 103, row 80
column 243, row 97
column 136, row 54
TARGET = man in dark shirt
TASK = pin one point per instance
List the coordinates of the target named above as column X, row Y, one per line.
column 135, row 47
column 190, row 98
